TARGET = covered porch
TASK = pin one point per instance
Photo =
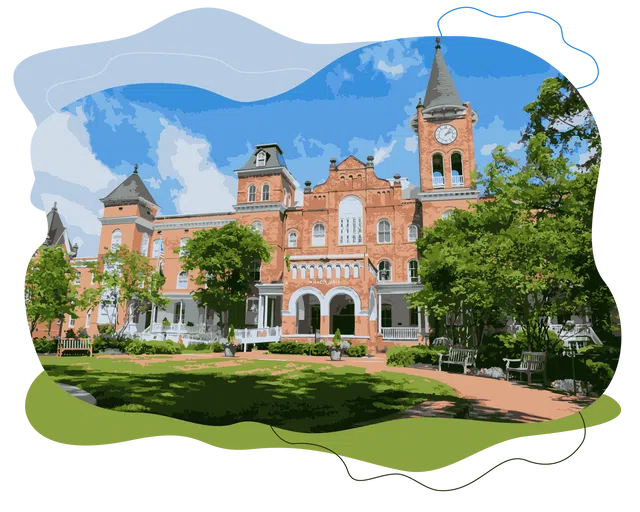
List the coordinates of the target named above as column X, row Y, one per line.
column 263, row 316
column 396, row 320
column 181, row 316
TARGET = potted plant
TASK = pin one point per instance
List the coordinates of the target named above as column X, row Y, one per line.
column 229, row 344
column 338, row 347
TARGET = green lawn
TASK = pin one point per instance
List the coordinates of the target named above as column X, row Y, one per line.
column 303, row 397
column 412, row 444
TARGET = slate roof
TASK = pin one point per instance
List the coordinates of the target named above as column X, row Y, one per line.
column 131, row 189
column 274, row 157
column 440, row 90
column 56, row 229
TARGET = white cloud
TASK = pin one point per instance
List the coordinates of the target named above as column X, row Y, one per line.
column 398, row 69
column 337, row 77
column 60, row 147
column 393, row 58
column 73, row 214
column 185, row 158
column 382, row 153
column 514, row 146
column 487, row 149
column 154, row 182
column 411, row 144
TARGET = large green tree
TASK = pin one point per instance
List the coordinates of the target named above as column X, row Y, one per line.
column 128, row 286
column 49, row 290
column 221, row 260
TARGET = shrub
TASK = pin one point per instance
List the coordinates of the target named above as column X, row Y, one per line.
column 45, row 346
column 138, row 347
column 598, row 364
column 70, row 333
column 294, row 347
column 317, row 349
column 357, row 351
column 82, row 333
column 101, row 343
column 261, row 346
column 232, row 333
column 200, row 347
column 217, row 347
column 106, row 329
column 405, row 356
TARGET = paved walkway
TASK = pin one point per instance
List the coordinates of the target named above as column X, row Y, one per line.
column 485, row 398
column 81, row 394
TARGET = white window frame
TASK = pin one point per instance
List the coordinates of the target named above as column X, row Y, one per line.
column 251, row 193
column 261, row 159
column 350, row 223
column 266, row 191
column 447, row 213
column 144, row 245
column 182, row 283
column 316, row 238
column 77, row 278
column 256, row 225
column 252, row 270
column 417, row 279
column 412, row 233
column 293, row 236
column 382, row 235
column 87, row 321
column 116, row 239
column 72, row 322
column 157, row 247
column 183, row 242
column 294, row 272
column 389, row 270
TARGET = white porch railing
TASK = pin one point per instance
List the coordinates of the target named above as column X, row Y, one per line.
column 178, row 328
column 438, row 181
column 400, row 333
column 573, row 334
column 261, row 335
column 457, row 180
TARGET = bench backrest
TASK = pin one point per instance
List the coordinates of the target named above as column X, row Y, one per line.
column 459, row 355
column 534, row 361
column 80, row 343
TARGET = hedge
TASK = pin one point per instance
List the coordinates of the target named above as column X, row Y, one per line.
column 405, row 356
column 357, row 351
column 137, row 347
column 45, row 346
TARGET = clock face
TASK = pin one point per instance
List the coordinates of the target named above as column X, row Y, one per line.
column 446, row 134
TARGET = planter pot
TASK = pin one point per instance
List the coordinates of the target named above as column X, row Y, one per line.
column 335, row 354
column 230, row 351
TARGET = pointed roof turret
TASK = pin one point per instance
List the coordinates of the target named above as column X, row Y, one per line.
column 130, row 191
column 441, row 90
column 55, row 227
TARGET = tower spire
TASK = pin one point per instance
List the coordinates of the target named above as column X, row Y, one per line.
column 441, row 90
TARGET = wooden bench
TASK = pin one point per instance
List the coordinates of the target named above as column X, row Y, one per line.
column 461, row 356
column 75, row 345
column 529, row 363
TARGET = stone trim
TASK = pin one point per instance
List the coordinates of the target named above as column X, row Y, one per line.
column 449, row 194
column 259, row 206
column 303, row 257
column 270, row 288
column 211, row 223
column 109, row 221
column 399, row 288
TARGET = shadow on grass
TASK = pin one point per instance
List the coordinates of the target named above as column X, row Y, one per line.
column 307, row 402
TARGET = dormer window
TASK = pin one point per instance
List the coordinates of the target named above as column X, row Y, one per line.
column 261, row 159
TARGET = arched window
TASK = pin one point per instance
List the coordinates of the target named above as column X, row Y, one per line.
column 346, row 270
column 312, row 272
column 457, row 178
column 303, row 271
column 319, row 237
column 116, row 239
column 183, row 243
column 412, row 233
column 384, row 271
column 384, row 232
column 336, row 267
column 87, row 322
column 158, row 247
column 294, row 272
column 350, row 224
column 257, row 227
column 254, row 271
column 144, row 245
column 413, row 271
column 261, row 159
column 183, row 280
column 437, row 169
column 293, row 239
column 356, row 270
column 320, row 271
column 328, row 267
column 265, row 192
column 447, row 214
column 251, row 193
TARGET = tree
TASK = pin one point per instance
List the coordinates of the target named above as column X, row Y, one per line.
column 221, row 259
column 49, row 290
column 128, row 283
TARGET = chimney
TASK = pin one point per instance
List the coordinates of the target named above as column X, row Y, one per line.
column 332, row 165
column 307, row 187
column 369, row 161
column 396, row 180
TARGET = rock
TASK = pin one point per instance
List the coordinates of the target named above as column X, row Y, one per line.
column 567, row 386
column 112, row 351
column 494, row 372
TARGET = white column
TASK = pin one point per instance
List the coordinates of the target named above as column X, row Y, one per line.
column 379, row 314
column 265, row 321
column 153, row 316
column 180, row 318
column 206, row 311
column 419, row 320
column 273, row 311
column 426, row 322
column 260, row 313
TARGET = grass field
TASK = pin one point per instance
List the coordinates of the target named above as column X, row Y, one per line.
column 412, row 444
column 303, row 397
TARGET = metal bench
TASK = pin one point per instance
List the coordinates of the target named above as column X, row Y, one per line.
column 461, row 356
column 75, row 345
column 529, row 363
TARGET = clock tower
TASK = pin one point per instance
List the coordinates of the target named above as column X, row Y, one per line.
column 444, row 125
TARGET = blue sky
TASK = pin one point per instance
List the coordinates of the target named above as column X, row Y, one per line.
column 188, row 141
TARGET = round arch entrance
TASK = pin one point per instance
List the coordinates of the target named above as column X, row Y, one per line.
column 342, row 314
column 307, row 314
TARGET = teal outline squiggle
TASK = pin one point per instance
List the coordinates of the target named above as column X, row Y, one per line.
column 589, row 56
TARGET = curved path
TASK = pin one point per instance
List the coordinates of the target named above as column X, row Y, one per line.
column 485, row 398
